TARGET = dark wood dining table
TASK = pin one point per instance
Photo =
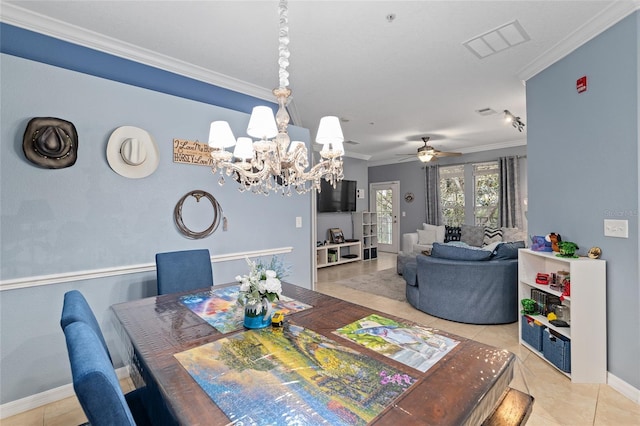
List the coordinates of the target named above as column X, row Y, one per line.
column 468, row 386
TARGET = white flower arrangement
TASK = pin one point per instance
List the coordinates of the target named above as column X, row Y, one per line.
column 263, row 281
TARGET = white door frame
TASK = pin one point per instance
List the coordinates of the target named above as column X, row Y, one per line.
column 395, row 211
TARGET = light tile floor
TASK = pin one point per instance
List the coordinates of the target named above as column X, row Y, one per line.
column 558, row 402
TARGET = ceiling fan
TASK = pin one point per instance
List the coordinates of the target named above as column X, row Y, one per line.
column 428, row 153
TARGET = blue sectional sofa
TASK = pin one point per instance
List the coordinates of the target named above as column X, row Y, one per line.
column 483, row 291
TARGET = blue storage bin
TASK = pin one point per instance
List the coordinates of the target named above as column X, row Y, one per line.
column 557, row 349
column 532, row 332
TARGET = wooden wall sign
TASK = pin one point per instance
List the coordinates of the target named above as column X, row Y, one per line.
column 190, row 152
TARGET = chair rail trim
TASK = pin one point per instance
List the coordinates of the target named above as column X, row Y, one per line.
column 41, row 280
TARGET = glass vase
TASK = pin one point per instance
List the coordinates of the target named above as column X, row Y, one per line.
column 258, row 315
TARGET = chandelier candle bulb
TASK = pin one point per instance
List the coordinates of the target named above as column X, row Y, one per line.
column 220, row 135
column 273, row 163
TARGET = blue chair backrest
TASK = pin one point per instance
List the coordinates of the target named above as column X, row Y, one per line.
column 183, row 270
column 76, row 308
column 94, row 379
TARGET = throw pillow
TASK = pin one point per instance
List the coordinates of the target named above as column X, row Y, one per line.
column 472, row 235
column 508, row 250
column 426, row 237
column 452, row 233
column 440, row 231
column 452, row 252
column 491, row 235
column 492, row 246
column 513, row 234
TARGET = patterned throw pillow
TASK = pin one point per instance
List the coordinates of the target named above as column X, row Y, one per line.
column 472, row 235
column 491, row 235
column 452, row 233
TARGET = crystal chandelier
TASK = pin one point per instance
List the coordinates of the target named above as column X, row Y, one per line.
column 274, row 162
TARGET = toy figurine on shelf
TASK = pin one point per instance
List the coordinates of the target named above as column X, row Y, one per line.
column 539, row 243
column 566, row 286
column 528, row 306
column 554, row 239
column 567, row 249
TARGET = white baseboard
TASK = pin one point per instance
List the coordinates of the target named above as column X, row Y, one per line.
column 624, row 388
column 47, row 397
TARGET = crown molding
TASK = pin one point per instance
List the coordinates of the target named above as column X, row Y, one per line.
column 45, row 25
column 611, row 15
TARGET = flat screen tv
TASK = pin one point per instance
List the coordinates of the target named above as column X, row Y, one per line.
column 340, row 199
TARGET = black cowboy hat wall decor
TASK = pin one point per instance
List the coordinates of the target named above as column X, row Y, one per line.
column 51, row 143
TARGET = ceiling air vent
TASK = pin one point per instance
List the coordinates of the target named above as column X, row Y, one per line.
column 497, row 40
column 486, row 111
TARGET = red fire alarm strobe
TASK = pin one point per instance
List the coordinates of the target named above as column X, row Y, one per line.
column 581, row 84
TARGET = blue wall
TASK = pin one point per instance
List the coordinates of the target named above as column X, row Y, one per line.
column 589, row 144
column 87, row 217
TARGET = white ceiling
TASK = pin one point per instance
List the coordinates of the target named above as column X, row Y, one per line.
column 390, row 82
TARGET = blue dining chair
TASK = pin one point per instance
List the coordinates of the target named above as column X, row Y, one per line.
column 95, row 382
column 183, row 270
column 75, row 308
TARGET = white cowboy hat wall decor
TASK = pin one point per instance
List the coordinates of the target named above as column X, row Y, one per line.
column 132, row 152
column 51, row 143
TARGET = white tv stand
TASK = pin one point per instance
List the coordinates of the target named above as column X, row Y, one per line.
column 336, row 254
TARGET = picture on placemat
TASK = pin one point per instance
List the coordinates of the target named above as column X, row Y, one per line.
column 412, row 345
column 293, row 376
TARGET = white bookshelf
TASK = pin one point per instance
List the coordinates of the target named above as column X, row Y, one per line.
column 336, row 254
column 587, row 307
column 365, row 229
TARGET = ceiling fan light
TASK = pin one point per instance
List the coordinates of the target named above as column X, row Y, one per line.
column 424, row 156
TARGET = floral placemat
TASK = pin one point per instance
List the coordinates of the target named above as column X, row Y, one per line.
column 292, row 376
column 415, row 346
column 220, row 308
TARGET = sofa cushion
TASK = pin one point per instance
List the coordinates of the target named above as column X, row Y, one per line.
column 472, row 235
column 491, row 235
column 452, row 233
column 456, row 252
column 440, row 231
column 426, row 236
column 508, row 250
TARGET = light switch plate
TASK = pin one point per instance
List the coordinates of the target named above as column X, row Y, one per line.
column 298, row 221
column 616, row 228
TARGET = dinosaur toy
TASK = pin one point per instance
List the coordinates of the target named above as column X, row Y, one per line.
column 567, row 249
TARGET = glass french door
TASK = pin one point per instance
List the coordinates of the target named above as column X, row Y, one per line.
column 385, row 202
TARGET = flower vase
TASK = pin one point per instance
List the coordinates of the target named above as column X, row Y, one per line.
column 258, row 315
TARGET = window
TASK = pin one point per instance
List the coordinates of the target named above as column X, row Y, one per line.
column 452, row 195
column 484, row 193
column 486, row 180
column 384, row 209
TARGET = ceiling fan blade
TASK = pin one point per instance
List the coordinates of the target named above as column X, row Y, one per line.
column 447, row 154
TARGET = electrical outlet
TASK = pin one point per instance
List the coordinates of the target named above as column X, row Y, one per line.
column 616, row 228
column 298, row 221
